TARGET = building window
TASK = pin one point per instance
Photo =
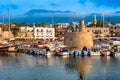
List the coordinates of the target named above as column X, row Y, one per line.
column 41, row 30
column 37, row 30
column 47, row 30
column 71, row 39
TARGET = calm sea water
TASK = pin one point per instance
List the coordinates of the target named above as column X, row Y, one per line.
column 24, row 67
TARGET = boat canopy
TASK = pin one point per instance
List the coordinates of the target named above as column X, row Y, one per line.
column 84, row 48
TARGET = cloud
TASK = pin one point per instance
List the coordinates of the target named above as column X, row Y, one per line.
column 53, row 4
column 12, row 6
column 78, row 6
column 82, row 1
column 99, row 3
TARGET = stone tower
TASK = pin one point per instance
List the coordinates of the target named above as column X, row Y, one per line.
column 82, row 26
column 77, row 40
column 94, row 20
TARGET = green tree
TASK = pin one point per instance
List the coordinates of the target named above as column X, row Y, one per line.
column 31, row 25
column 113, row 23
column 55, row 26
column 15, row 33
column 15, row 23
column 56, row 32
column 99, row 23
column 42, row 24
column 24, row 23
column 91, row 25
column 71, row 25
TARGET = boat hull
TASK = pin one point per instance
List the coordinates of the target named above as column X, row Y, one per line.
column 4, row 49
column 62, row 53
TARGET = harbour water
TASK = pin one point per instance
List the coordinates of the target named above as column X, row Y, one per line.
column 19, row 66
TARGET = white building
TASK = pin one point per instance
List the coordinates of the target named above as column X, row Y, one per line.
column 39, row 32
column 75, row 23
column 89, row 23
column 117, row 24
column 63, row 25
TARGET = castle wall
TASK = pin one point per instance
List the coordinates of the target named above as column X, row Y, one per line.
column 77, row 40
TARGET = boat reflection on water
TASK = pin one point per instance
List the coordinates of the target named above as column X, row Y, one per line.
column 20, row 66
column 94, row 68
column 81, row 65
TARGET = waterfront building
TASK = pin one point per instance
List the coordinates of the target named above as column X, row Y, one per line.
column 117, row 24
column 114, row 31
column 37, row 32
column 98, row 31
column 89, row 23
column 61, row 32
column 75, row 23
column 63, row 25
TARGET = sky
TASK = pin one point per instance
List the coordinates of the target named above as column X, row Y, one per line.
column 20, row 7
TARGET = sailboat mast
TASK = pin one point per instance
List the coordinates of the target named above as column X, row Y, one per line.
column 3, row 23
column 9, row 20
column 103, row 18
column 53, row 21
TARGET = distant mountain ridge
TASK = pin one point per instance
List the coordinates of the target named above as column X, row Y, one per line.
column 117, row 12
column 42, row 15
column 38, row 11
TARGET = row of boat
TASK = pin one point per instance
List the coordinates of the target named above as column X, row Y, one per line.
column 63, row 52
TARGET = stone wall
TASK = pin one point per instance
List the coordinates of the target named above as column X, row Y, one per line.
column 77, row 40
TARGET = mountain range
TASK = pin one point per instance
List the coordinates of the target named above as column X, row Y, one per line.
column 43, row 15
column 39, row 11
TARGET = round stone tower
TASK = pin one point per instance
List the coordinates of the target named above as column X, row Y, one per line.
column 79, row 39
column 94, row 20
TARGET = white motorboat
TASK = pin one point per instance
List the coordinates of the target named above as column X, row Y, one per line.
column 97, row 53
column 61, row 51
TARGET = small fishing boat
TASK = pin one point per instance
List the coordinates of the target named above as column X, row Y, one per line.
column 4, row 48
column 62, row 51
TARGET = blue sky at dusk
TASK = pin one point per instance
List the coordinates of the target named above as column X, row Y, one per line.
column 19, row 7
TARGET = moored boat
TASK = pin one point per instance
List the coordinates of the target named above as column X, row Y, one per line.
column 4, row 48
column 62, row 51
